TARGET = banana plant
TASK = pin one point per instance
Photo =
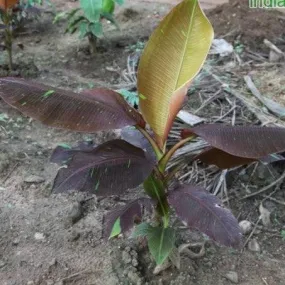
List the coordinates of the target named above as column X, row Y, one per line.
column 173, row 56
column 87, row 19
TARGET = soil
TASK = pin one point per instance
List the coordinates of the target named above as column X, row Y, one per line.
column 57, row 239
column 236, row 22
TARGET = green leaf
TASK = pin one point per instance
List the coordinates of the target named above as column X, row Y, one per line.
column 84, row 29
column 116, row 229
column 108, row 6
column 160, row 242
column 131, row 97
column 92, row 9
column 64, row 145
column 96, row 29
column 141, row 230
column 120, row 2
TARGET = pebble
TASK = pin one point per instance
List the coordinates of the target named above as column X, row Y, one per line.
column 39, row 236
column 232, row 276
column 15, row 242
column 30, row 283
column 75, row 213
column 245, row 226
column 34, row 179
column 254, row 246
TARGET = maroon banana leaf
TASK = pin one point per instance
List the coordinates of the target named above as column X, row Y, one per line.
column 89, row 111
column 136, row 138
column 203, row 211
column 234, row 146
column 128, row 215
column 63, row 154
column 109, row 169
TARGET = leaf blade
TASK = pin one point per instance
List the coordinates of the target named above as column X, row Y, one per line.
column 126, row 216
column 109, row 169
column 173, row 56
column 201, row 210
column 88, row 111
column 160, row 242
column 247, row 142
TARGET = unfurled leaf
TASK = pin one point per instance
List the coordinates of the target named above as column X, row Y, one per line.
column 125, row 217
column 136, row 138
column 109, row 169
column 89, row 111
column 222, row 159
column 96, row 29
column 247, row 142
column 173, row 56
column 116, row 230
column 203, row 211
column 63, row 153
column 120, row 2
column 141, row 230
column 130, row 96
column 7, row 4
column 92, row 9
column 160, row 242
column 108, row 6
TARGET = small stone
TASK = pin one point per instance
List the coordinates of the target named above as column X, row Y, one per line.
column 75, row 212
column 254, row 246
column 15, row 242
column 134, row 277
column 39, row 236
column 49, row 282
column 34, row 179
column 232, row 276
column 245, row 226
column 30, row 283
column 135, row 262
column 53, row 262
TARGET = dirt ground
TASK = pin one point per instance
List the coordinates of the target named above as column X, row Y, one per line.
column 57, row 239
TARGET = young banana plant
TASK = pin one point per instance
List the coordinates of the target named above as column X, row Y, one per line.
column 172, row 58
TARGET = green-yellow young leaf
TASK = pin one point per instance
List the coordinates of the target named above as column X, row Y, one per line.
column 173, row 56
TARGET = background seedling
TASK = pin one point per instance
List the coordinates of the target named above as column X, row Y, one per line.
column 88, row 19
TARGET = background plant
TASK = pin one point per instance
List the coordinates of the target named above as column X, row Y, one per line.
column 12, row 13
column 88, row 19
column 172, row 58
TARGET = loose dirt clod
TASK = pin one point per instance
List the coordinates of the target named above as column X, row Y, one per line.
column 254, row 246
column 245, row 226
column 232, row 276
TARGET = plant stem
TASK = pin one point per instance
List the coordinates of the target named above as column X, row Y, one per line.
column 92, row 44
column 155, row 188
column 164, row 160
column 154, row 145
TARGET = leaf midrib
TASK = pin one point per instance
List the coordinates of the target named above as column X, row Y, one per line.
column 186, row 43
column 210, row 210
